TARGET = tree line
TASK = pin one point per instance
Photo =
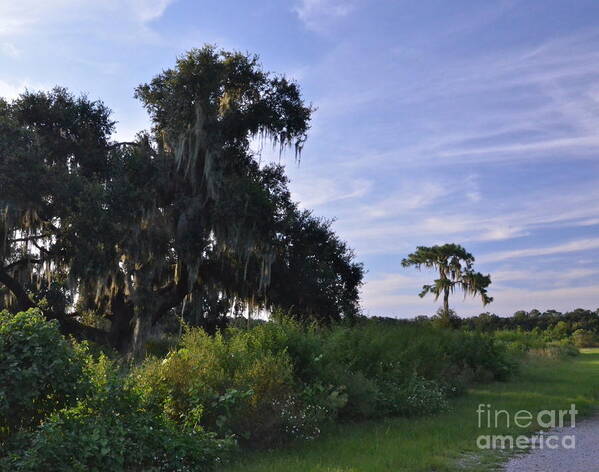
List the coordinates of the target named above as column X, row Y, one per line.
column 567, row 323
column 559, row 325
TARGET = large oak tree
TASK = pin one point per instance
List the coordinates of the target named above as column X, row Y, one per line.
column 183, row 216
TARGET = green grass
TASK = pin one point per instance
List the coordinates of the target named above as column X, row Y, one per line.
column 445, row 442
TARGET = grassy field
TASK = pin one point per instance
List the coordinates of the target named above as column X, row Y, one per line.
column 445, row 442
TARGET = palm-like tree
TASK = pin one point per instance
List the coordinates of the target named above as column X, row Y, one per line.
column 454, row 264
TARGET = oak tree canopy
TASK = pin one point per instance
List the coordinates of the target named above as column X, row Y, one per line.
column 182, row 220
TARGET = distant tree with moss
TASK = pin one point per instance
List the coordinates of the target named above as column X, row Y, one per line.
column 454, row 265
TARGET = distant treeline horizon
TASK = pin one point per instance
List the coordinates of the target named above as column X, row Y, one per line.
column 579, row 318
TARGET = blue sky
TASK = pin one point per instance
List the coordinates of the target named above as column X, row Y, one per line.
column 438, row 121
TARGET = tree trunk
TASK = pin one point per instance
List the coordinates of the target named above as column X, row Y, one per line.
column 141, row 328
column 446, row 303
column 121, row 323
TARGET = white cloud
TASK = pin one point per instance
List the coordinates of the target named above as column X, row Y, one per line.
column 11, row 91
column 408, row 197
column 26, row 15
column 547, row 276
column 319, row 14
column 574, row 144
column 397, row 294
column 571, row 246
column 379, row 228
column 148, row 10
column 9, row 50
column 501, row 233
column 320, row 191
column 529, row 103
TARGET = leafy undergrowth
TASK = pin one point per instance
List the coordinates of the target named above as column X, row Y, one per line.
column 64, row 407
column 445, row 442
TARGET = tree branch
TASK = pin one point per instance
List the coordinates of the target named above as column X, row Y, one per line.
column 23, row 299
column 29, row 238
column 170, row 296
column 68, row 324
column 124, row 143
column 25, row 260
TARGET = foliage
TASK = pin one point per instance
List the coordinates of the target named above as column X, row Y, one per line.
column 535, row 320
column 315, row 273
column 281, row 380
column 556, row 350
column 445, row 442
column 519, row 342
column 300, row 419
column 584, row 338
column 232, row 384
column 550, row 332
column 275, row 382
column 112, row 431
column 111, row 238
column 39, row 371
column 415, row 397
column 67, row 408
column 454, row 264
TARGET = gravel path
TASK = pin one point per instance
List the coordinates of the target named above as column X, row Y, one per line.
column 583, row 458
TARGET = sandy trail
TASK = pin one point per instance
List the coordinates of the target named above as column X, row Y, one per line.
column 583, row 458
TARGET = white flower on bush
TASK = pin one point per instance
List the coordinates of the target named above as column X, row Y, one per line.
column 300, row 421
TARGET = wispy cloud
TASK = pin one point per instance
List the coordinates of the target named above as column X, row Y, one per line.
column 148, row 10
column 428, row 210
column 389, row 291
column 325, row 190
column 407, row 198
column 552, row 277
column 9, row 49
column 319, row 14
column 571, row 246
column 523, row 103
column 22, row 17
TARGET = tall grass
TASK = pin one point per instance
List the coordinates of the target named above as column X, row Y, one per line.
column 443, row 442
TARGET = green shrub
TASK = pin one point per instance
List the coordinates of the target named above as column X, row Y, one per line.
column 561, row 349
column 480, row 353
column 518, row 342
column 415, row 397
column 39, row 370
column 112, row 431
column 408, row 369
column 584, row 338
column 269, row 384
column 401, row 351
column 361, row 395
column 159, row 346
column 232, row 385
column 300, row 419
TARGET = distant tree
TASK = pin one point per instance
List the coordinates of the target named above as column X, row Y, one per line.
column 454, row 264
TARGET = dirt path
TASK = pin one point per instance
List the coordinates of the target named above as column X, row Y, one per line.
column 584, row 457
